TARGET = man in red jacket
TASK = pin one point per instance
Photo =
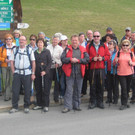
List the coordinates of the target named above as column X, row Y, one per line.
column 98, row 54
column 74, row 58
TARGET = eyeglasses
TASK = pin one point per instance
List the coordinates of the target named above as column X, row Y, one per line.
column 8, row 38
column 96, row 36
column 22, row 40
column 125, row 45
column 33, row 39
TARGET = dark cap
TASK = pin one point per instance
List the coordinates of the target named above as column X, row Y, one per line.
column 109, row 29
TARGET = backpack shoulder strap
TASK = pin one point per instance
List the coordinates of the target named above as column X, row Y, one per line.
column 17, row 49
column 118, row 54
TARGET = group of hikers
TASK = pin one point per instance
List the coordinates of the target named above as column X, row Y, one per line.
column 101, row 61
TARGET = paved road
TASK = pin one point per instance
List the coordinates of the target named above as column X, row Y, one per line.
column 109, row 121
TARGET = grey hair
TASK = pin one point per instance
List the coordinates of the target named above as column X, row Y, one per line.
column 41, row 33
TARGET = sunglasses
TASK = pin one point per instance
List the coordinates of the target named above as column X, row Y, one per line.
column 96, row 36
column 9, row 39
column 125, row 45
column 33, row 39
column 127, row 30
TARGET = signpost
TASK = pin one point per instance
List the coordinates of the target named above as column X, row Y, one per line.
column 6, row 11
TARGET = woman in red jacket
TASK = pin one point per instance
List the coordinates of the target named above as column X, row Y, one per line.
column 125, row 60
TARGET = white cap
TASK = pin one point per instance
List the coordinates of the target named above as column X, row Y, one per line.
column 63, row 37
column 128, row 28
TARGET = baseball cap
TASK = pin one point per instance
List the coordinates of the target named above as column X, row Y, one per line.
column 109, row 29
column 63, row 37
column 128, row 28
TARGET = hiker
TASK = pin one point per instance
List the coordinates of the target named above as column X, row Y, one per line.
column 43, row 64
column 56, row 52
column 74, row 59
column 23, row 69
column 132, row 41
column 89, row 35
column 82, row 41
column 43, row 36
column 110, row 32
column 127, row 34
column 33, row 40
column 64, row 44
column 89, row 38
column 5, row 55
column 125, row 61
column 98, row 53
column 112, row 77
column 17, row 33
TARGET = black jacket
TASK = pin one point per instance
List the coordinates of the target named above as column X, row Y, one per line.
column 45, row 58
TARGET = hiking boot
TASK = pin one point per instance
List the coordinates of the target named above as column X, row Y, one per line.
column 26, row 110
column 37, row 107
column 65, row 110
column 7, row 99
column 13, row 110
column 77, row 109
column 101, row 106
column 45, row 109
column 92, row 106
column 122, row 107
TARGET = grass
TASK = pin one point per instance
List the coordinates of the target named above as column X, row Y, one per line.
column 74, row 16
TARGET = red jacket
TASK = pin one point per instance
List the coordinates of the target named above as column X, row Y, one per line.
column 67, row 68
column 102, row 51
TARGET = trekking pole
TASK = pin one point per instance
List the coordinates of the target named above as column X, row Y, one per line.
column 58, row 80
column 32, row 100
column 42, row 69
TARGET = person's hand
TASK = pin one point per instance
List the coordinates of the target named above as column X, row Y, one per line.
column 74, row 60
column 56, row 65
column 7, row 61
column 116, row 60
column 33, row 77
column 130, row 62
column 95, row 58
column 43, row 73
column 100, row 58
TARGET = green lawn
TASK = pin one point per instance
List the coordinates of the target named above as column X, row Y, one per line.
column 74, row 16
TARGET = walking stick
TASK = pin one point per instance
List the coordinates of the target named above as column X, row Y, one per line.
column 42, row 69
column 32, row 99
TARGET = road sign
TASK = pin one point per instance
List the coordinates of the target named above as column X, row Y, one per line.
column 4, row 26
column 22, row 25
column 6, row 11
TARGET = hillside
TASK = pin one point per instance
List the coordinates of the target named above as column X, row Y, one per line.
column 74, row 16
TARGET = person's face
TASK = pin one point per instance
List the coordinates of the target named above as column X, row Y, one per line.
column 109, row 32
column 108, row 39
column 55, row 41
column 16, row 35
column 125, row 47
column 96, row 37
column 32, row 40
column 133, row 36
column 110, row 46
column 64, row 42
column 75, row 42
column 81, row 38
column 40, row 44
column 41, row 36
column 128, row 32
column 8, row 40
column 89, row 35
column 22, row 41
